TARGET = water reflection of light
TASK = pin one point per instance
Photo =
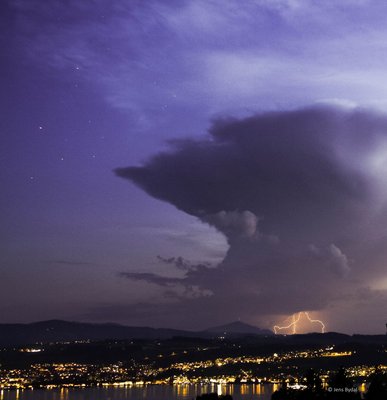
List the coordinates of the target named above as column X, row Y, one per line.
column 17, row 394
column 362, row 388
column 1, row 394
column 257, row 389
column 63, row 394
column 219, row 389
column 190, row 391
column 182, row 390
column 244, row 389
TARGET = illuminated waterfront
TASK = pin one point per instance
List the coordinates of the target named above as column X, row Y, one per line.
column 148, row 392
column 182, row 368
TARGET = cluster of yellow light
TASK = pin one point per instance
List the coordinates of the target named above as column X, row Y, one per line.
column 295, row 319
column 337, row 354
column 27, row 350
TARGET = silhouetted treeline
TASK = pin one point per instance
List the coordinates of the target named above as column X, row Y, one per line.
column 378, row 387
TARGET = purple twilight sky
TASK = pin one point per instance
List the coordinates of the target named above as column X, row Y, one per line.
column 189, row 163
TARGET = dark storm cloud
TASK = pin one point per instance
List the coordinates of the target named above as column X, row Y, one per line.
column 297, row 194
column 178, row 262
column 149, row 277
column 292, row 176
column 182, row 264
column 279, row 167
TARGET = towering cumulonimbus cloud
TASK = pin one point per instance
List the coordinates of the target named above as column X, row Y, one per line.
column 300, row 196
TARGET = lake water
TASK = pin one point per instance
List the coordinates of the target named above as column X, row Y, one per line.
column 150, row 392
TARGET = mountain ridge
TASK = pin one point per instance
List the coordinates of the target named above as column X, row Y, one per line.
column 238, row 327
column 56, row 330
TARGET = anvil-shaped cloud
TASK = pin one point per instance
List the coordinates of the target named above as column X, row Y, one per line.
column 300, row 196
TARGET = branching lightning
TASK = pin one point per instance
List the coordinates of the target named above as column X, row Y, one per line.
column 315, row 321
column 293, row 324
column 295, row 319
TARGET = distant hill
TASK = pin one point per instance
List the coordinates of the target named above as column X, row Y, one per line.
column 238, row 328
column 62, row 331
column 65, row 331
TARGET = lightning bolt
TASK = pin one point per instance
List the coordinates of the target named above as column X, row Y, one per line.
column 317, row 321
column 293, row 324
column 295, row 320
